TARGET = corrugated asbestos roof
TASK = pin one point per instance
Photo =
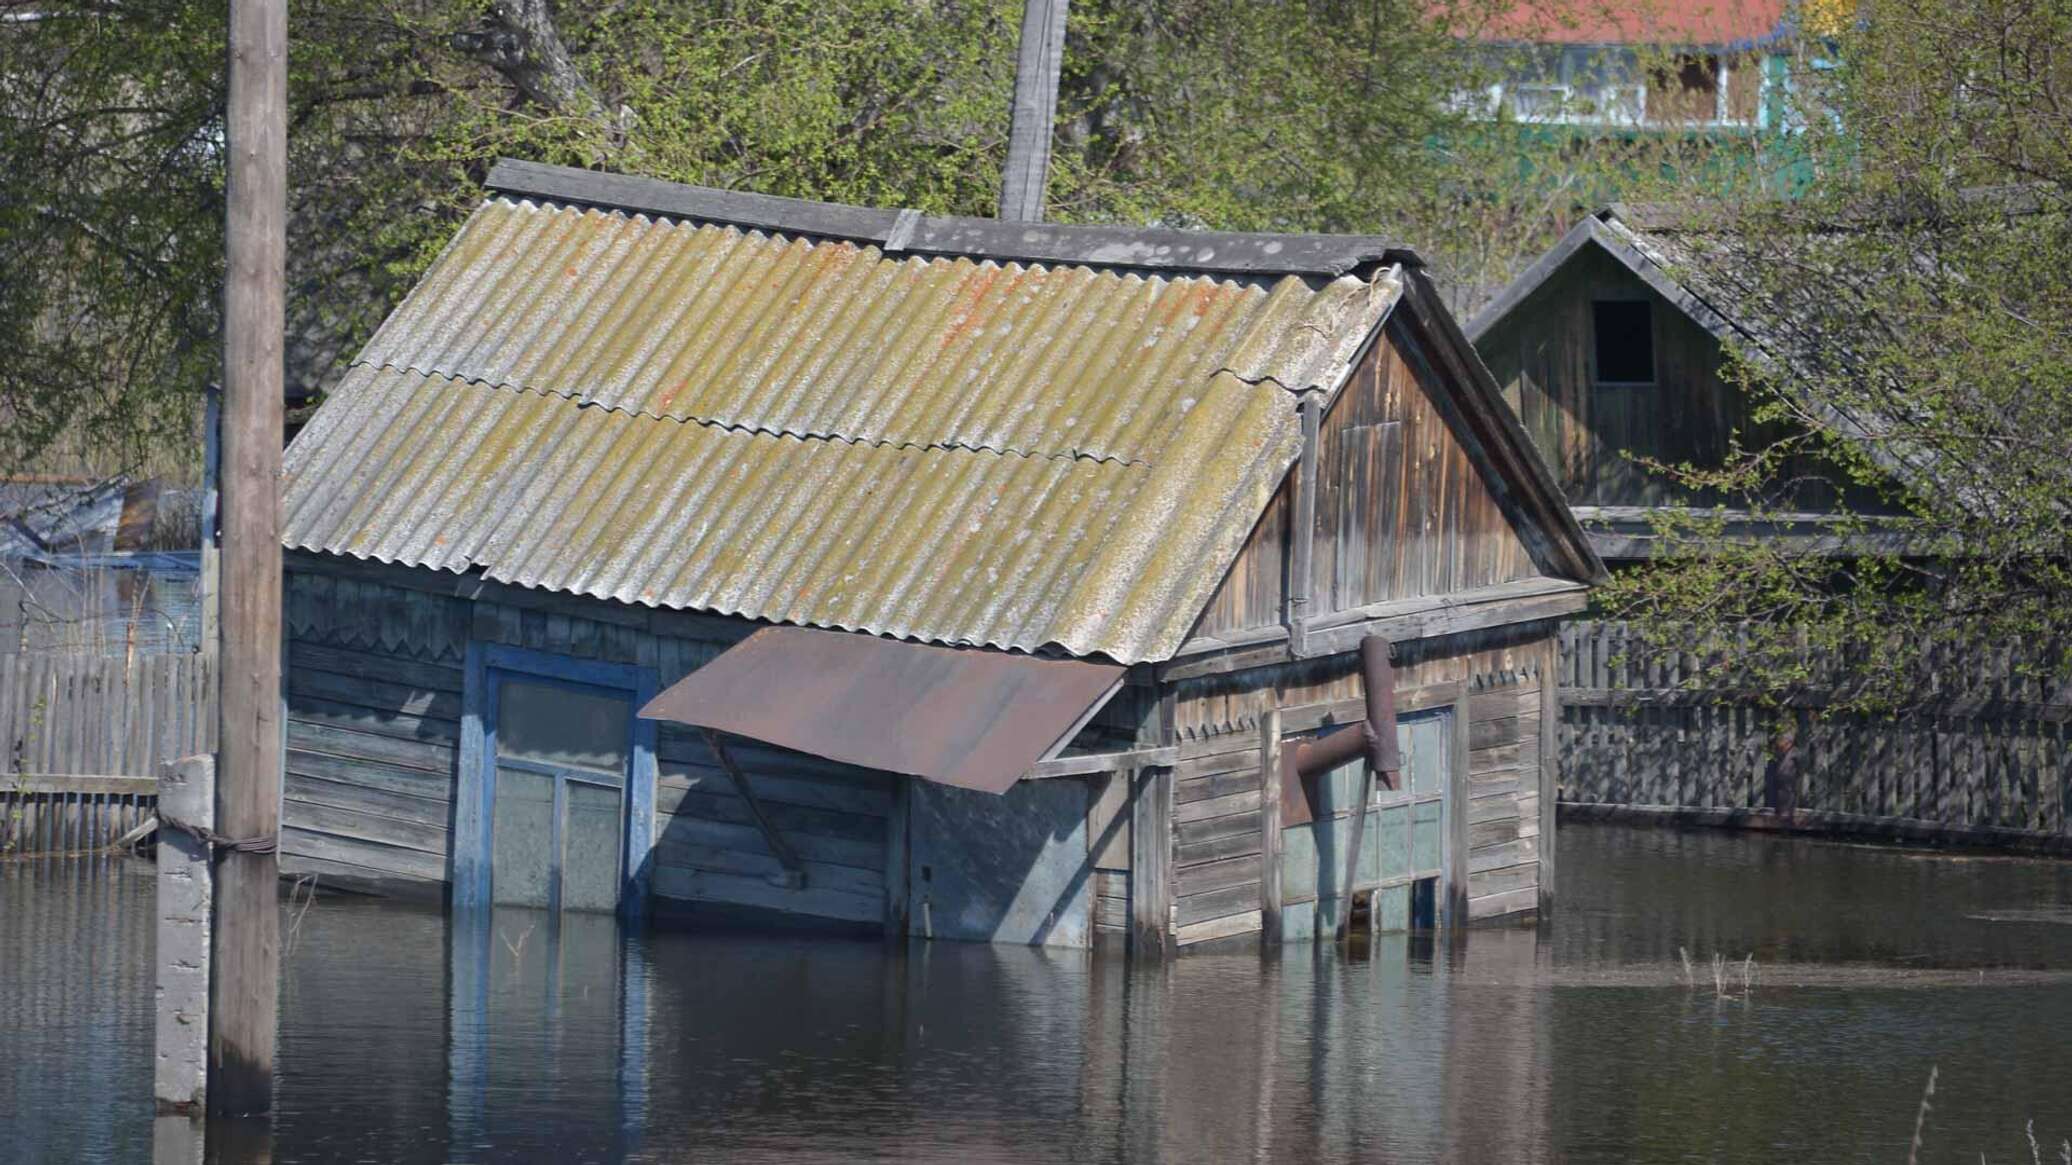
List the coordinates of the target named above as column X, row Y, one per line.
column 702, row 417
column 773, row 335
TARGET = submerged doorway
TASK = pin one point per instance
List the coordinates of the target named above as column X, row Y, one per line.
column 1403, row 875
column 563, row 754
column 556, row 807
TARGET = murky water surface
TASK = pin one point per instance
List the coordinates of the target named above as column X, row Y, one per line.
column 402, row 1042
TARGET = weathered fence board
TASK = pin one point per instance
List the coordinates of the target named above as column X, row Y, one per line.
column 1990, row 756
column 59, row 815
column 80, row 736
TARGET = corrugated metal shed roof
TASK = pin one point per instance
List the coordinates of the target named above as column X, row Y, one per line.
column 707, row 418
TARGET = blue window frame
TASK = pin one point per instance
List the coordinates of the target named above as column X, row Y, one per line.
column 488, row 665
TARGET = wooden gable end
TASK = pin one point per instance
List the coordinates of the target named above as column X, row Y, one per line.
column 1597, row 434
column 1408, row 504
column 1591, row 432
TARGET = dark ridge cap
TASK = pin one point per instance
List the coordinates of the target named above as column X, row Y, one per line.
column 1140, row 248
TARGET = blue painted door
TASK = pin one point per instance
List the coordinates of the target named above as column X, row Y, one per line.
column 563, row 757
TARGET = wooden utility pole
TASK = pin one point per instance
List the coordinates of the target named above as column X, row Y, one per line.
column 1027, row 172
column 245, row 993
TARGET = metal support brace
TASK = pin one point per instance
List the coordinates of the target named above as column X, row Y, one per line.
column 794, row 876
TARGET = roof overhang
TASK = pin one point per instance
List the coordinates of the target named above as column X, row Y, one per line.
column 969, row 717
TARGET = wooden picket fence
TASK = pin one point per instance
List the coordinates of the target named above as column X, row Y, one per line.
column 69, row 815
column 1641, row 728
column 82, row 738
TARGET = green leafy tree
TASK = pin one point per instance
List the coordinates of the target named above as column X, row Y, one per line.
column 1911, row 318
column 1334, row 115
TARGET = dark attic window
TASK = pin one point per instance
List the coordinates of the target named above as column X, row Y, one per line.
column 1625, row 341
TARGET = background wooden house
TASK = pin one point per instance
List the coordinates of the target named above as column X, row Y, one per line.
column 1677, row 66
column 1614, row 348
column 987, row 572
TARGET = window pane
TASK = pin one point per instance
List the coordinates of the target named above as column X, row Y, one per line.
column 1298, row 861
column 554, row 725
column 1390, row 857
column 590, row 848
column 1392, row 909
column 1625, row 341
column 1337, row 790
column 1423, row 743
column 1428, row 843
column 521, row 837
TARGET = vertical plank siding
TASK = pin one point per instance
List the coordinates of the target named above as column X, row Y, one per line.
column 1593, row 435
column 94, row 715
column 52, row 816
column 1404, row 506
column 1641, row 729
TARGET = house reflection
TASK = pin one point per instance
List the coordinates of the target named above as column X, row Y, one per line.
column 568, row 1039
column 547, row 1033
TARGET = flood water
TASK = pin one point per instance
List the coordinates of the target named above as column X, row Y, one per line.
column 404, row 1042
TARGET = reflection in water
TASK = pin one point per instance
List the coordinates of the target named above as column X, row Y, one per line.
column 509, row 1036
column 75, row 1018
column 545, row 1007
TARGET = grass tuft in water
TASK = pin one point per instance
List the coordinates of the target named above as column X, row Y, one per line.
column 2036, row 1150
column 1722, row 972
column 1921, row 1118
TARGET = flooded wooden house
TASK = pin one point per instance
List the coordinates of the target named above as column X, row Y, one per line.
column 1615, row 348
column 732, row 558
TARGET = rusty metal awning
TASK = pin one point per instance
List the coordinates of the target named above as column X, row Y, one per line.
column 969, row 717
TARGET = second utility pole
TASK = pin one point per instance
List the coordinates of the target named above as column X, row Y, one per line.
column 1026, row 174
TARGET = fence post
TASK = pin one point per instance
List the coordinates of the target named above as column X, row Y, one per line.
column 186, row 892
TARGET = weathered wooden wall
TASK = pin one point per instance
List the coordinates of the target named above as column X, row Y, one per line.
column 1404, row 508
column 375, row 682
column 374, row 693
column 708, row 848
column 1641, row 728
column 1217, row 837
column 1591, row 433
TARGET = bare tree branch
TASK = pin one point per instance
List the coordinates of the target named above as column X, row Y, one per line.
column 518, row 38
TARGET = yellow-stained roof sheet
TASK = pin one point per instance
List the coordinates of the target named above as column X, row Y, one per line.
column 814, row 432
column 831, row 339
